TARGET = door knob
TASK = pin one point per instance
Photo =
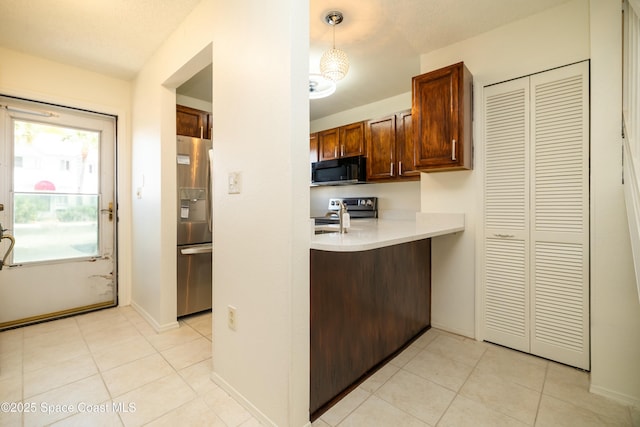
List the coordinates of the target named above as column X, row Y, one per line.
column 109, row 210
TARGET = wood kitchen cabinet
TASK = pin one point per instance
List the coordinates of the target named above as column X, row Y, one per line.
column 442, row 122
column 365, row 307
column 313, row 148
column 389, row 148
column 343, row 141
column 193, row 122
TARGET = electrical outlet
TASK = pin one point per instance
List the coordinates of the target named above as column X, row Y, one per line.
column 231, row 317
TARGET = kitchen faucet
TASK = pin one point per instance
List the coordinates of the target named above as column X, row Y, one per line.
column 342, row 210
column 341, row 215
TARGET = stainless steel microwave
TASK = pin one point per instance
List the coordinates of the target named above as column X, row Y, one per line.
column 347, row 170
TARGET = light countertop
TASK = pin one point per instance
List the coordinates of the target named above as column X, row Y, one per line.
column 366, row 234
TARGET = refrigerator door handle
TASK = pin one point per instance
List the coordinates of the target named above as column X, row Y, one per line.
column 195, row 250
column 210, row 192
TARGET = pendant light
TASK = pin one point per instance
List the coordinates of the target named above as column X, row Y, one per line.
column 334, row 63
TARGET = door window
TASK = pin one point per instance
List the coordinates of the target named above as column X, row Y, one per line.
column 55, row 192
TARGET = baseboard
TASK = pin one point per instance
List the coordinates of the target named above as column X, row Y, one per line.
column 464, row 333
column 614, row 395
column 155, row 325
column 264, row 420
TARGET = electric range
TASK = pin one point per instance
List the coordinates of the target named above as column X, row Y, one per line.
column 358, row 208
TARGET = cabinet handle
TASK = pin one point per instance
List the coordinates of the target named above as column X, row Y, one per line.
column 341, row 150
column 400, row 168
column 504, row 236
column 453, row 150
column 201, row 132
column 391, row 168
column 335, row 151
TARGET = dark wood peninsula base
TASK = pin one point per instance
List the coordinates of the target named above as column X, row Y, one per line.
column 365, row 306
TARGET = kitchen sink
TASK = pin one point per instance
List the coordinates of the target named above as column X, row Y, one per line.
column 325, row 231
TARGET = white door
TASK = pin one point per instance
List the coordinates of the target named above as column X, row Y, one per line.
column 506, row 214
column 536, row 215
column 57, row 173
column 560, row 215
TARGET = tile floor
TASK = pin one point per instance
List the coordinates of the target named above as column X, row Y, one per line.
column 115, row 370
column 451, row 381
column 108, row 363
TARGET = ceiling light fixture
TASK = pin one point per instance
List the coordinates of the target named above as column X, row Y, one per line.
column 334, row 63
column 320, row 87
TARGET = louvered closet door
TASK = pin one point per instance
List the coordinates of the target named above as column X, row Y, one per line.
column 506, row 213
column 560, row 221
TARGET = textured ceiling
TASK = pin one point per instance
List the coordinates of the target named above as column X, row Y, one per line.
column 383, row 38
column 114, row 37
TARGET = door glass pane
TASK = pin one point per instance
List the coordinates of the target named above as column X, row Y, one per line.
column 55, row 200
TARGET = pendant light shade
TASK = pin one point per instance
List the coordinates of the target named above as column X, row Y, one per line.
column 334, row 63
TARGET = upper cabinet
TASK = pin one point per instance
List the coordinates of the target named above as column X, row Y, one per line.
column 441, row 119
column 352, row 139
column 313, row 147
column 388, row 143
column 193, row 122
column 344, row 141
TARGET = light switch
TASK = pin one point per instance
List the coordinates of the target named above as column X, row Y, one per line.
column 234, row 182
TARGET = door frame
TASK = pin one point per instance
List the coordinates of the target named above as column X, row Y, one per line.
column 122, row 288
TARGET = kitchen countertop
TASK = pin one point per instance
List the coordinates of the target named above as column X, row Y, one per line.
column 366, row 234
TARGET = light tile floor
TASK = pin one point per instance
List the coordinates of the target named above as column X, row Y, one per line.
column 447, row 380
column 95, row 369
column 110, row 368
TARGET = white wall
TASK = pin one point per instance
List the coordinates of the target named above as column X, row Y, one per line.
column 185, row 53
column 38, row 79
column 198, row 104
column 575, row 31
column 550, row 39
column 615, row 312
column 399, row 200
column 365, row 112
column 260, row 268
column 260, row 113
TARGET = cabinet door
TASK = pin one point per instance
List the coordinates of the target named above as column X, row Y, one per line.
column 441, row 105
column 329, row 144
column 192, row 122
column 404, row 145
column 381, row 143
column 208, row 134
column 313, row 148
column 352, row 140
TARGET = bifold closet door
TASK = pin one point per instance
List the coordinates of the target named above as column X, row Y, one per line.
column 536, row 215
column 506, row 215
column 560, row 215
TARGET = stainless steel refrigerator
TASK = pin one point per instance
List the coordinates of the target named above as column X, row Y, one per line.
column 194, row 226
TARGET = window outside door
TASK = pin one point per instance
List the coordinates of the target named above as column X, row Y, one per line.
column 57, row 168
